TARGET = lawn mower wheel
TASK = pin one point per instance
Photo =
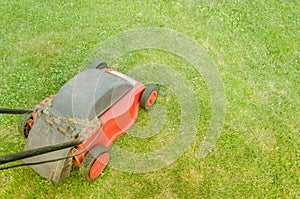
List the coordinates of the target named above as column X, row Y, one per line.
column 95, row 162
column 98, row 64
column 149, row 96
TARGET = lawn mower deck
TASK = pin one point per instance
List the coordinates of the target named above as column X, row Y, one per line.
column 95, row 107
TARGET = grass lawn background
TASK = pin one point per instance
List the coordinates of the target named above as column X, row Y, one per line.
column 255, row 45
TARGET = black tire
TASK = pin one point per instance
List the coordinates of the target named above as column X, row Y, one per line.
column 23, row 126
column 98, row 64
column 88, row 162
column 149, row 96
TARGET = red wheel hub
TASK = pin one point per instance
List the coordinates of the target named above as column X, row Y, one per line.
column 152, row 98
column 99, row 165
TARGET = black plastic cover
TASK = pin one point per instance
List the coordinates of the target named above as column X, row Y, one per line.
column 89, row 94
column 42, row 135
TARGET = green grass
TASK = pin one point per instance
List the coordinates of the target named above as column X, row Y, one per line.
column 255, row 45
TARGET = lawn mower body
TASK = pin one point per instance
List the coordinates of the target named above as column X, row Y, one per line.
column 96, row 106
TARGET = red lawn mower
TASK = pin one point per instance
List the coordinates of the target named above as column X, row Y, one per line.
column 79, row 124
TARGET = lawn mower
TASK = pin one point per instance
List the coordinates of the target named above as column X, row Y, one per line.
column 79, row 124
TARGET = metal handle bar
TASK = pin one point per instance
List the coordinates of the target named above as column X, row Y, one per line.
column 37, row 151
column 14, row 111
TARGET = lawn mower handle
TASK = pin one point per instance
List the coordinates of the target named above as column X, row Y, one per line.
column 37, row 151
column 14, row 111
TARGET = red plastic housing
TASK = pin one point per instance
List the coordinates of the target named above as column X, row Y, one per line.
column 117, row 121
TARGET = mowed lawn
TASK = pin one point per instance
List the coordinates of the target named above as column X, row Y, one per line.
column 255, row 46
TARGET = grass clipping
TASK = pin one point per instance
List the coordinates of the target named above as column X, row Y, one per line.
column 69, row 126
